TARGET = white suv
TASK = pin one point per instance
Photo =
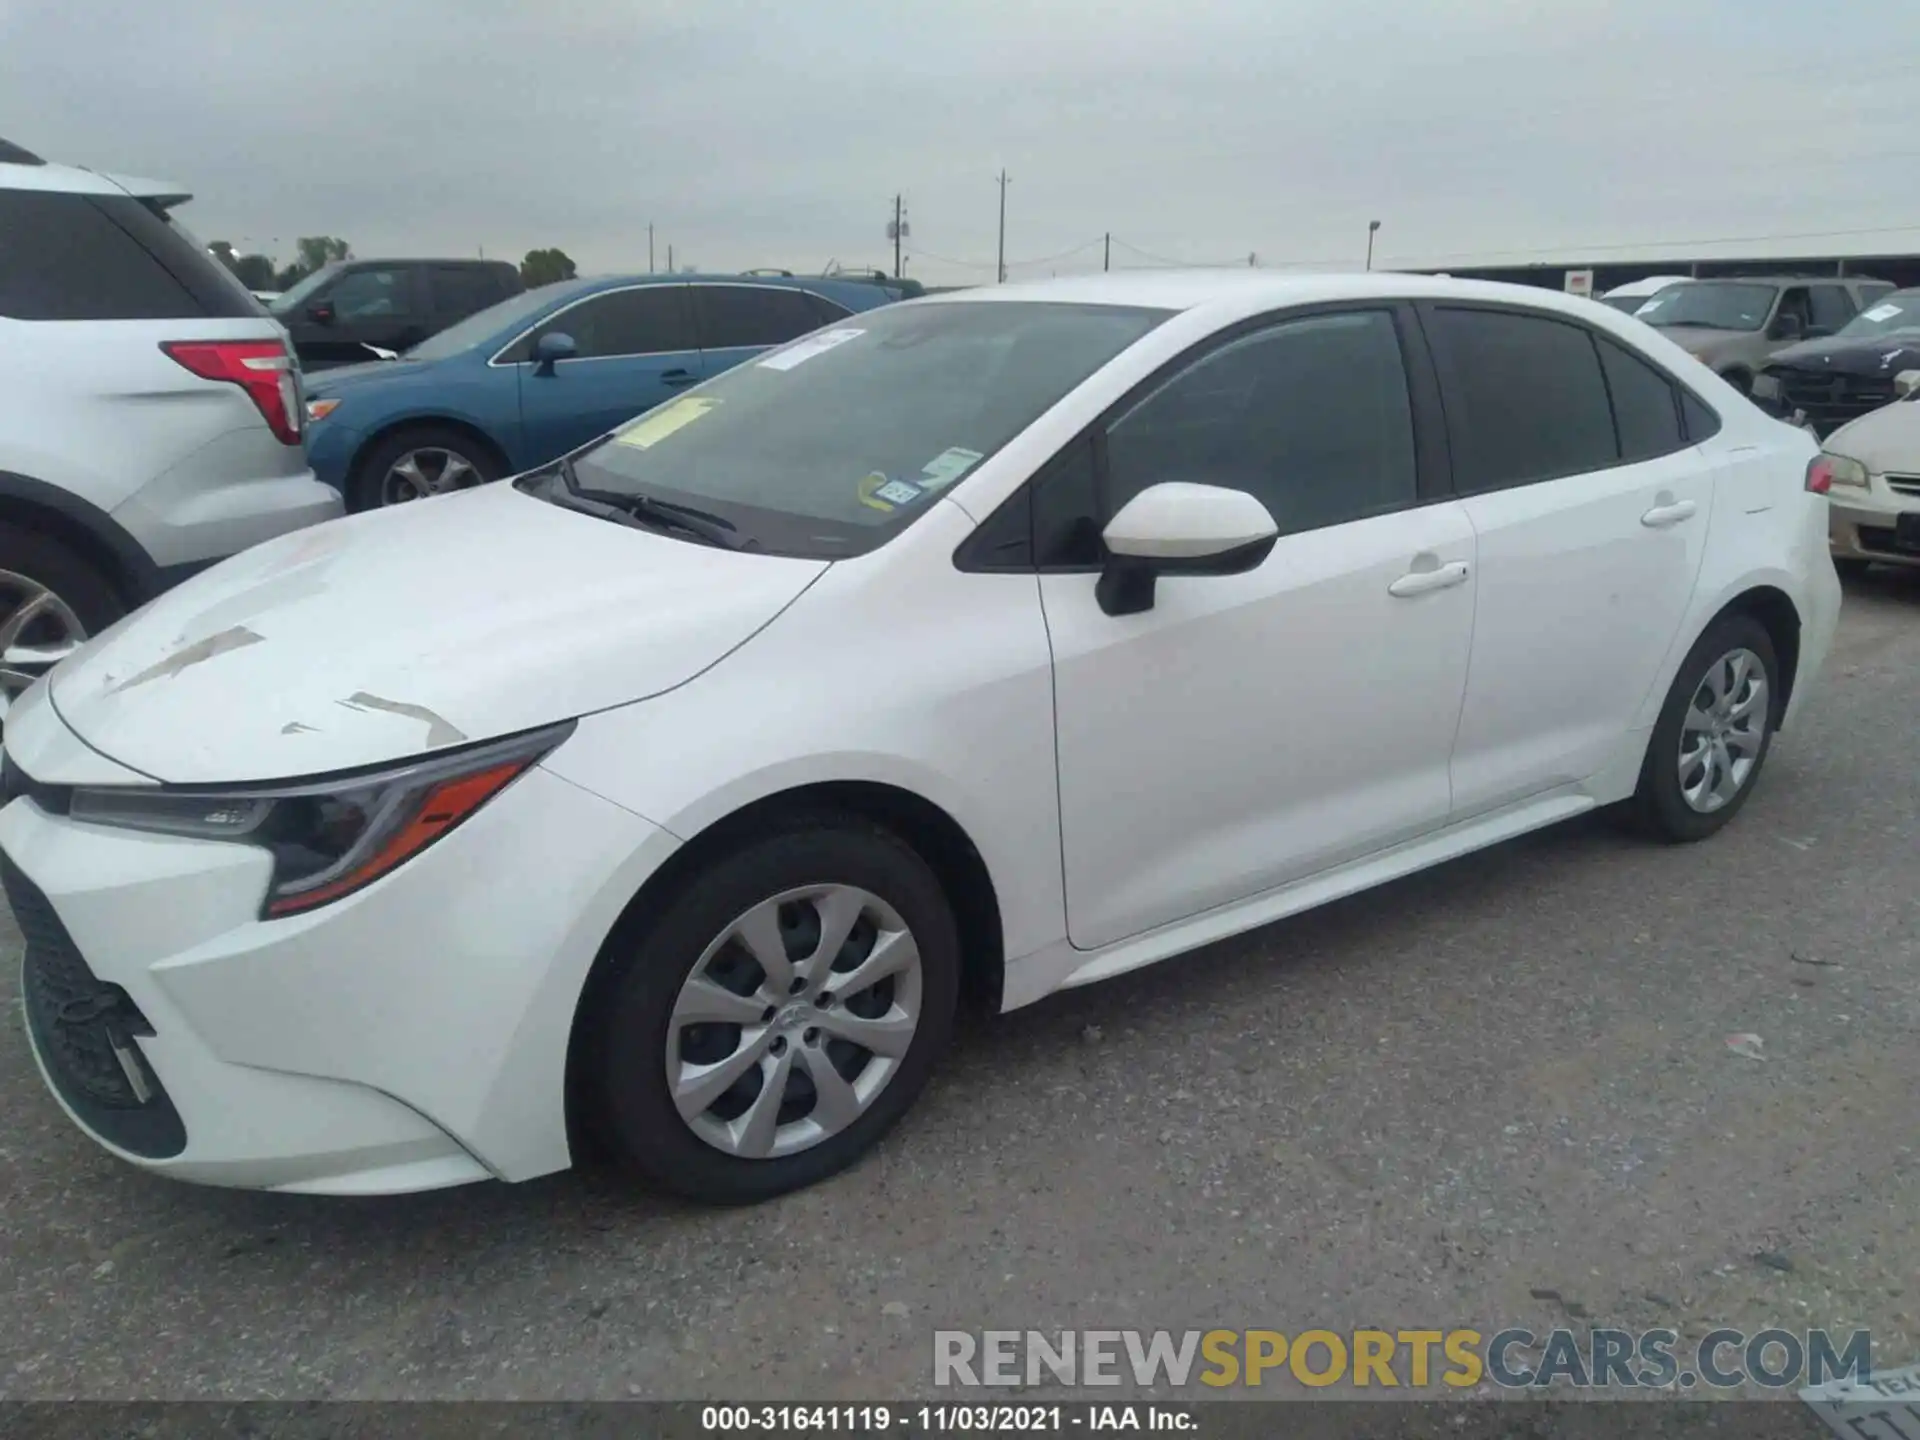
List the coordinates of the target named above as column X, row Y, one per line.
column 152, row 421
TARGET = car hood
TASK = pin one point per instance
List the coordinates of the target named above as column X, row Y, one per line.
column 1876, row 355
column 341, row 378
column 383, row 636
column 1886, row 441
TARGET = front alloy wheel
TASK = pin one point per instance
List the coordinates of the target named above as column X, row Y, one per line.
column 429, row 470
column 783, row 1005
column 793, row 1021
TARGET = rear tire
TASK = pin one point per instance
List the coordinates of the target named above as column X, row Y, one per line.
column 443, row 459
column 642, row 1048
column 83, row 602
column 1726, row 723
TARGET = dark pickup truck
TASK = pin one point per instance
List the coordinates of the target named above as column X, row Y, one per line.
column 353, row 311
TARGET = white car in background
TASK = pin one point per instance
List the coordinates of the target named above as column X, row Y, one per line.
column 1873, row 468
column 988, row 644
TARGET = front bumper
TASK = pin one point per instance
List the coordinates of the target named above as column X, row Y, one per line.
column 410, row 1036
column 1864, row 525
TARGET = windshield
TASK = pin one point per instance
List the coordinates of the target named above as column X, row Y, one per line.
column 829, row 446
column 293, row 299
column 482, row 325
column 1899, row 311
column 1711, row 304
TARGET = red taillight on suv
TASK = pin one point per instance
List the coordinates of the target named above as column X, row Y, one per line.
column 1820, row 474
column 262, row 368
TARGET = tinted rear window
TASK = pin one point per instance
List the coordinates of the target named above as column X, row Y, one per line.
column 90, row 257
column 1524, row 398
column 1645, row 408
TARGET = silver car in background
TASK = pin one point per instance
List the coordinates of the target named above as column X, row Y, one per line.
column 152, row 421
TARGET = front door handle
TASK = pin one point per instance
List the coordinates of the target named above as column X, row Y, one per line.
column 676, row 378
column 1662, row 516
column 1419, row 582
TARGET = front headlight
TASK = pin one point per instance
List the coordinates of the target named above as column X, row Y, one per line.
column 1843, row 471
column 328, row 838
column 320, row 409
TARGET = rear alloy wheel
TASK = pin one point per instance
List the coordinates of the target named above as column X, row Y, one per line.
column 1713, row 733
column 50, row 602
column 418, row 463
column 780, row 1016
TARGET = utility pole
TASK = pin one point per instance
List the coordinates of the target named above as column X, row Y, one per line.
column 897, row 231
column 1003, row 226
column 1372, row 227
column 1106, row 254
column 649, row 248
column 670, row 260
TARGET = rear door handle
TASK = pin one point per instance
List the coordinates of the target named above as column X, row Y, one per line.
column 1662, row 516
column 1419, row 582
column 676, row 378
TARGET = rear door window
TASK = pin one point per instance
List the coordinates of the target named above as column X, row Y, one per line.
column 459, row 290
column 1646, row 410
column 90, row 257
column 1524, row 396
column 734, row 316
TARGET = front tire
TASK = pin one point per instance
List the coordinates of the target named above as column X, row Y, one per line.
column 417, row 462
column 779, row 1016
column 1713, row 734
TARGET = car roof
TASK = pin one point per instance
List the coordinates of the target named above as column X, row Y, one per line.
column 37, row 174
column 1256, row 289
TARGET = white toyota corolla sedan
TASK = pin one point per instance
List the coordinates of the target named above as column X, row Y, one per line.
column 676, row 794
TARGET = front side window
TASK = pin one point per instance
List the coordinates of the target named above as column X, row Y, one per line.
column 462, row 289
column 649, row 320
column 833, row 444
column 372, row 295
column 1832, row 308
column 732, row 316
column 1311, row 417
column 1711, row 305
column 1524, row 397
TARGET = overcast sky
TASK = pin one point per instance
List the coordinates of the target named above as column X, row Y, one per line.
column 1198, row 132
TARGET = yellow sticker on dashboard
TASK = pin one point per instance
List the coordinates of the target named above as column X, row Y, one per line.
column 656, row 425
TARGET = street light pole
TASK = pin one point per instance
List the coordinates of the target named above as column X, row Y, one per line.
column 649, row 248
column 1003, row 227
column 1372, row 226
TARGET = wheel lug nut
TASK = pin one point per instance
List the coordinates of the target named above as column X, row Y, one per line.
column 766, row 1015
column 826, row 997
column 797, row 986
column 779, row 1046
column 813, row 1035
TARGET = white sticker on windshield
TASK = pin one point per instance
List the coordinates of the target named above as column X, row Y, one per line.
column 947, row 467
column 804, row 350
column 1880, row 312
column 899, row 492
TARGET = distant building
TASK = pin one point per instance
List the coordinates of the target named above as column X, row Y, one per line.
column 1901, row 269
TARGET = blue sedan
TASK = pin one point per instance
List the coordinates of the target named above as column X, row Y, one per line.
column 535, row 376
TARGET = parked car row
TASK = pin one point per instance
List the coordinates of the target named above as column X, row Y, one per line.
column 537, row 375
column 1735, row 326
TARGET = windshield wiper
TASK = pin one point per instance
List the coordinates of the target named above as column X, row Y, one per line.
column 657, row 514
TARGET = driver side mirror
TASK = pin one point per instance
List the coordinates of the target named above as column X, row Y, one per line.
column 1789, row 327
column 321, row 312
column 1177, row 528
column 553, row 346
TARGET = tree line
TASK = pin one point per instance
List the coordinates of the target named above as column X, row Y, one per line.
column 312, row 252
